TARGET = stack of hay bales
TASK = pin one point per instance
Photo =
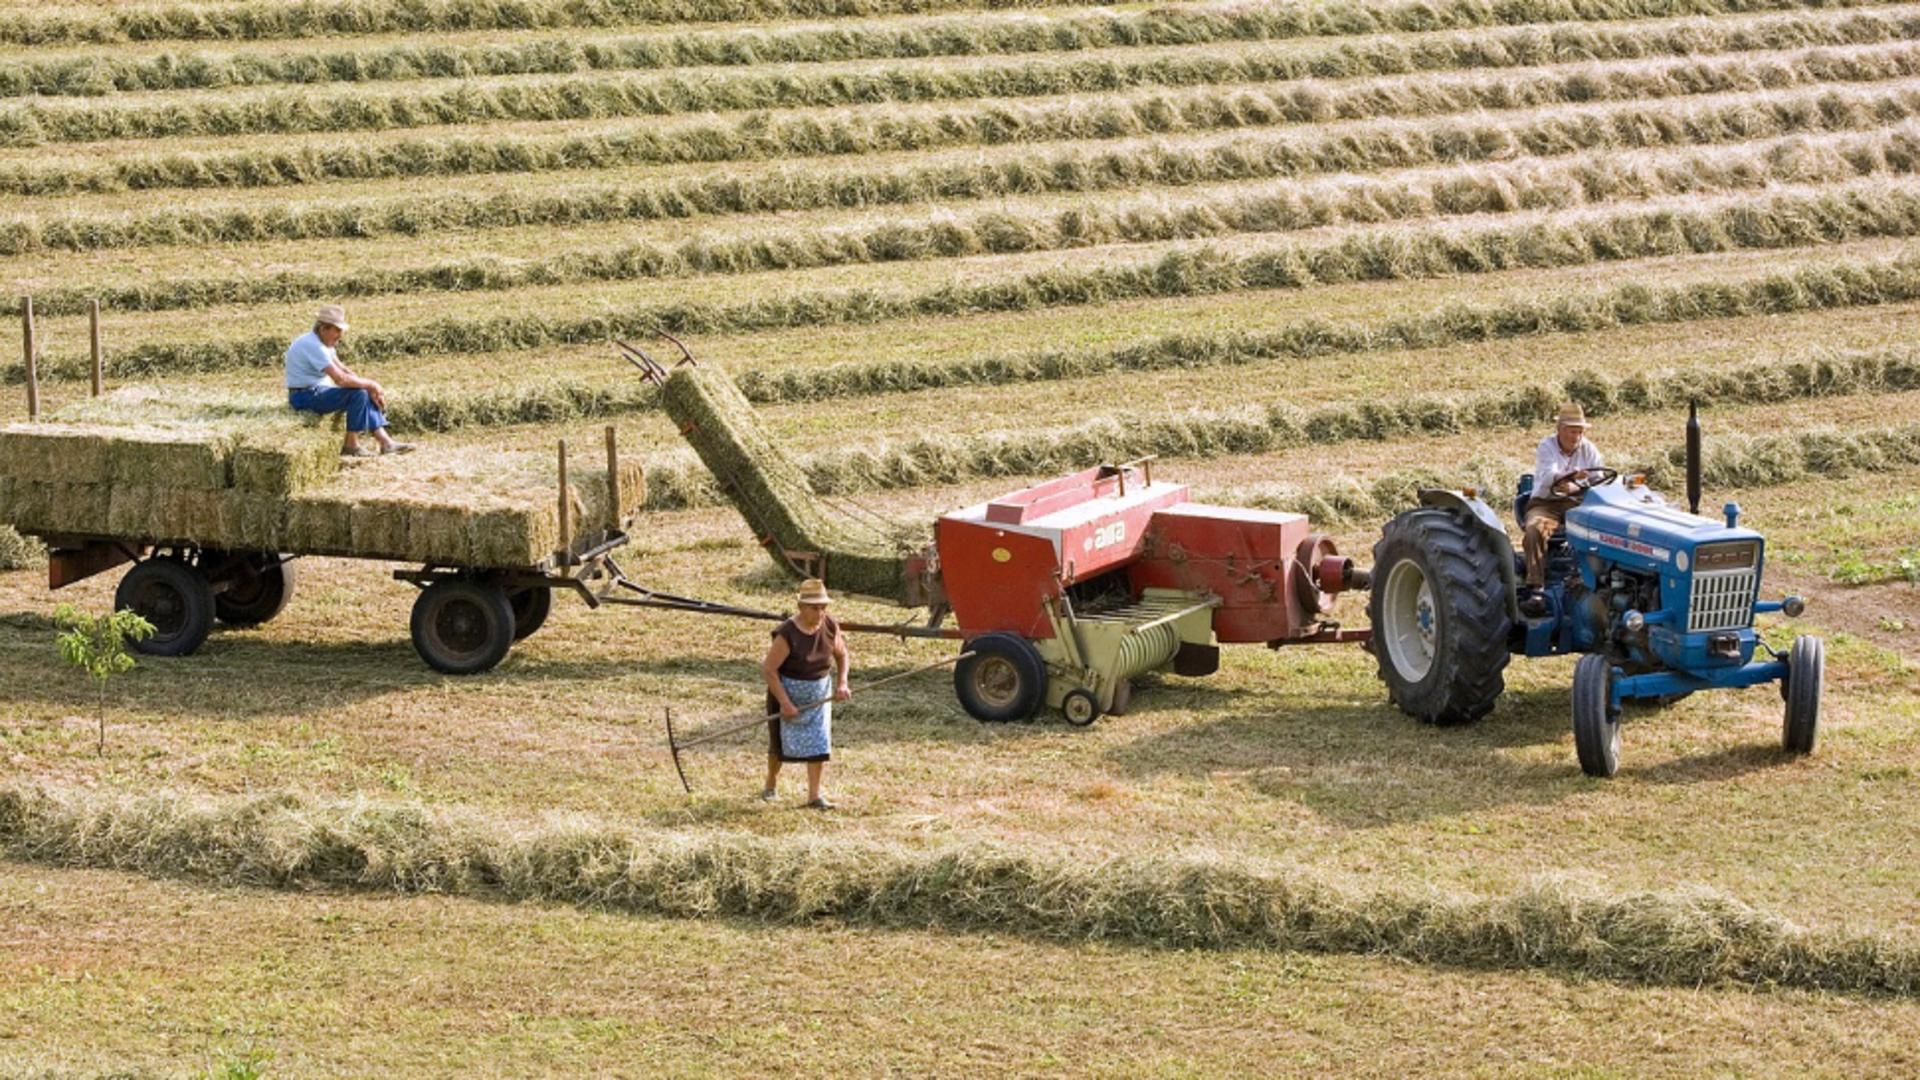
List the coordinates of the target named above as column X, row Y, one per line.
column 255, row 476
column 773, row 494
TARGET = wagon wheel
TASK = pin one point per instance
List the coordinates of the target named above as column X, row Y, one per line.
column 462, row 627
column 175, row 598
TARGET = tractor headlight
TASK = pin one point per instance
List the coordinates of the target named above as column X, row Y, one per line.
column 1793, row 607
column 1634, row 621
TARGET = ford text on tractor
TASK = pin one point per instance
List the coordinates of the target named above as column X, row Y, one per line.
column 1656, row 602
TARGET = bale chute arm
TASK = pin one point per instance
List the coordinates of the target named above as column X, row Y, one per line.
column 804, row 536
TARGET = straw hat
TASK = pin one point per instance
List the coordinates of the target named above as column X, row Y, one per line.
column 1571, row 415
column 814, row 591
column 332, row 315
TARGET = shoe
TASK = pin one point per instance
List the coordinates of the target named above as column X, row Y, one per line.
column 359, row 452
column 399, row 448
column 820, row 804
column 768, row 795
column 1534, row 604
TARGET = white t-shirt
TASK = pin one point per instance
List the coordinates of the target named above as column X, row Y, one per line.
column 1550, row 463
column 307, row 362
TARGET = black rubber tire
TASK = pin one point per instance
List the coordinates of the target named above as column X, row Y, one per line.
column 1005, row 679
column 261, row 586
column 175, row 597
column 1596, row 724
column 1080, row 708
column 1466, row 649
column 1805, row 681
column 462, row 627
column 530, row 610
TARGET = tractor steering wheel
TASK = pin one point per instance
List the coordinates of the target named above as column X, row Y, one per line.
column 1594, row 478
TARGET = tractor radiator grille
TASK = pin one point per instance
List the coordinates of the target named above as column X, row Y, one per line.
column 1722, row 601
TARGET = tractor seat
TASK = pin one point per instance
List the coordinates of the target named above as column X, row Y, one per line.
column 1522, row 491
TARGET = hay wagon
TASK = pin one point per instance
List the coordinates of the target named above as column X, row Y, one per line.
column 209, row 504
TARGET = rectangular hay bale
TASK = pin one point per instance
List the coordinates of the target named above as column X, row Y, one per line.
column 319, row 525
column 191, row 460
column 54, row 453
column 287, row 462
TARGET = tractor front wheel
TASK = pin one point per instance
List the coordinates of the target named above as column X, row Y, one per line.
column 1439, row 614
column 1596, row 723
column 1805, row 680
column 1005, row 678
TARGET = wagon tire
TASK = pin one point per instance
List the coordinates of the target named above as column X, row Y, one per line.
column 530, row 610
column 175, row 597
column 1004, row 680
column 1439, row 612
column 260, row 588
column 462, row 627
column 1596, row 723
column 1802, row 687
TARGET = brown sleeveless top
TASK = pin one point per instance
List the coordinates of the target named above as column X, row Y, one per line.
column 809, row 656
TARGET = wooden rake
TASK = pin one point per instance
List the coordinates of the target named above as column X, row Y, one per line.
column 674, row 745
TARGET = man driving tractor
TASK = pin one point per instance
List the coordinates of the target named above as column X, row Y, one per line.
column 1560, row 469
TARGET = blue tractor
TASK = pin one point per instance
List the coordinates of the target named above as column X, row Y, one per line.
column 1658, row 603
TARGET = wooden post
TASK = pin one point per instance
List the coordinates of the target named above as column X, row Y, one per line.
column 566, row 510
column 613, row 481
column 33, row 362
column 93, row 337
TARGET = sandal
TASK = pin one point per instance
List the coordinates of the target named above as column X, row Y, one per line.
column 820, row 804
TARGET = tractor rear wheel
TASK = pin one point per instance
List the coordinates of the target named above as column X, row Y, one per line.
column 1805, row 680
column 1596, row 723
column 175, row 597
column 1439, row 614
column 1005, row 678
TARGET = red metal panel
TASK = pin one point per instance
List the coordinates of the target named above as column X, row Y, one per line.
column 996, row 579
column 1245, row 557
column 68, row 565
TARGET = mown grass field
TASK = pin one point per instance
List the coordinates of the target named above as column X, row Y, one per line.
column 1310, row 253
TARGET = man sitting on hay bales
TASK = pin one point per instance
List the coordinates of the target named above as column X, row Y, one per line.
column 317, row 382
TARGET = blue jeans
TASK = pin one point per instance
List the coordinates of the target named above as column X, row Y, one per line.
column 326, row 400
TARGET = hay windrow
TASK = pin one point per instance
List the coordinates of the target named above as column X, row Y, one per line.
column 1685, row 936
column 257, row 20
column 1507, row 47
column 781, row 508
column 1783, row 221
column 1235, row 92
column 1526, row 187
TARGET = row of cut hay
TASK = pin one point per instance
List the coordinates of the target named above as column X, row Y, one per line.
column 1362, row 148
column 1683, row 937
column 442, row 508
column 253, row 20
column 19, row 552
column 1728, row 462
column 104, row 73
column 262, row 20
column 770, row 492
column 1527, row 186
column 1198, row 434
column 1236, row 89
column 1785, row 221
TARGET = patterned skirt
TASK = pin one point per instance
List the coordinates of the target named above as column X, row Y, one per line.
column 809, row 736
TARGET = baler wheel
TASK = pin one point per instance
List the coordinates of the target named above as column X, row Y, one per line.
column 1596, row 723
column 1005, row 678
column 1081, row 708
column 1806, row 678
column 1439, row 615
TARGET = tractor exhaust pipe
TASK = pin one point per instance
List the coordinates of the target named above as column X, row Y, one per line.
column 1693, row 457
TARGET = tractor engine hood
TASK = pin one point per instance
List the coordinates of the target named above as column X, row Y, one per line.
column 1636, row 527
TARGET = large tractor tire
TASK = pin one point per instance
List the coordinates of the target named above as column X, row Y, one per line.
column 259, row 586
column 1440, row 616
column 175, row 597
column 1806, row 679
column 1596, row 723
column 1005, row 679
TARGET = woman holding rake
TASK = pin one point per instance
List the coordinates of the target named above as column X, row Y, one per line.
column 806, row 671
